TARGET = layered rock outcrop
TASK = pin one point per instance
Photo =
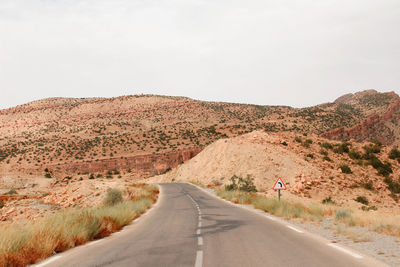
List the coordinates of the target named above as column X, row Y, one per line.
column 150, row 164
column 381, row 127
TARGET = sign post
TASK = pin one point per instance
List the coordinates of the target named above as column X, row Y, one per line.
column 279, row 185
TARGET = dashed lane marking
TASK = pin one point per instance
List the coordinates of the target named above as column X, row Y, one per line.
column 199, row 259
column 200, row 241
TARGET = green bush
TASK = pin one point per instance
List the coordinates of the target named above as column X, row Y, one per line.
column 91, row 176
column 341, row 148
column 298, row 139
column 372, row 149
column 383, row 169
column 114, row 196
column 362, row 200
column 369, row 185
column 239, row 183
column 323, row 152
column 394, row 153
column 47, row 175
column 353, row 154
column 328, row 200
column 327, row 145
column 326, row 158
column 284, row 143
column 12, row 192
column 345, row 168
column 1, row 204
column 393, row 186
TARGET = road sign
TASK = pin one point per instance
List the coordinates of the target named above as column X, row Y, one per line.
column 279, row 185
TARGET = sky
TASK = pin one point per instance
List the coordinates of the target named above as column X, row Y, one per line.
column 288, row 52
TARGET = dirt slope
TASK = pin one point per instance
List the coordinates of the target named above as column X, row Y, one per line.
column 303, row 168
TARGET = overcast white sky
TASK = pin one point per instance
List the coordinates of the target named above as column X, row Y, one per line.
column 298, row 53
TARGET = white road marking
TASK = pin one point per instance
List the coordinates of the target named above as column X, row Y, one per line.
column 199, row 259
column 270, row 217
column 94, row 242
column 294, row 229
column 200, row 241
column 198, row 231
column 200, row 218
column 355, row 255
column 199, row 224
column 48, row 261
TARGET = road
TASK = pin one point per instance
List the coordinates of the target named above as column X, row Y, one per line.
column 189, row 227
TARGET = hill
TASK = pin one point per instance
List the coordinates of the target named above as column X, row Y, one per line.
column 311, row 167
column 148, row 134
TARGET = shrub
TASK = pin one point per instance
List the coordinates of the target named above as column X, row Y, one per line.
column 326, row 158
column 393, row 186
column 12, row 192
column 298, row 139
column 91, row 176
column 342, row 214
column 114, row 196
column 284, row 143
column 372, row 149
column 353, row 154
column 328, row 200
column 327, row 145
column 238, row 183
column 383, row 169
column 310, row 155
column 47, row 175
column 394, row 153
column 362, row 200
column 345, row 168
column 323, row 152
column 1, row 204
column 341, row 148
column 369, row 185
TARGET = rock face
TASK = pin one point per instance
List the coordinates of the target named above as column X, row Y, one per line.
column 150, row 164
column 382, row 127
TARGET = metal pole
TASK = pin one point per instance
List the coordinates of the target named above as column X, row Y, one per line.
column 279, row 195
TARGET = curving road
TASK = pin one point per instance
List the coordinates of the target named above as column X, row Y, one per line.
column 190, row 227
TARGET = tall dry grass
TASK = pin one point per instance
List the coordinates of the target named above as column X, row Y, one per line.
column 372, row 220
column 21, row 245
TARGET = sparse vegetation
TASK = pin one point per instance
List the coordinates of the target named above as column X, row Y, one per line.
column 21, row 245
column 394, row 153
column 113, row 197
column 362, row 200
column 369, row 185
column 345, row 168
column 241, row 184
column 328, row 200
column 326, row 145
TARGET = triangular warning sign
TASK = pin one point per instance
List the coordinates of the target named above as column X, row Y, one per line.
column 279, row 185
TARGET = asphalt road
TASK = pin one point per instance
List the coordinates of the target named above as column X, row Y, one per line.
column 189, row 227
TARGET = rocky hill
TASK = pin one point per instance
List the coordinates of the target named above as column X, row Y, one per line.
column 148, row 134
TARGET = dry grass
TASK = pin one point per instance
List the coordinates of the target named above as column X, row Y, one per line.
column 356, row 237
column 21, row 245
column 373, row 220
